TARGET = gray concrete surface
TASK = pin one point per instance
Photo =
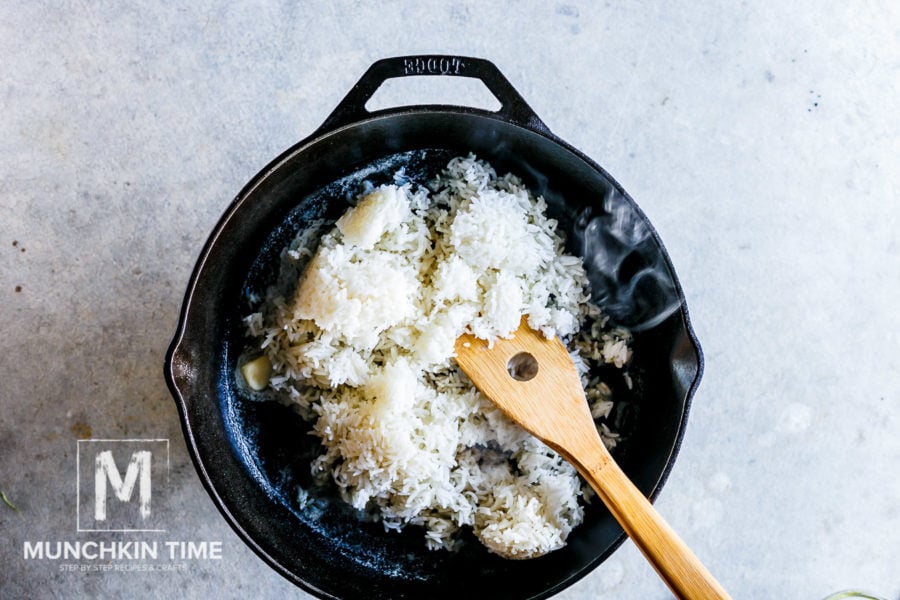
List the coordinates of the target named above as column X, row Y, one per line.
column 760, row 138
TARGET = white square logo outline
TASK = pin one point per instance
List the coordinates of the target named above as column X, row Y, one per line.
column 78, row 483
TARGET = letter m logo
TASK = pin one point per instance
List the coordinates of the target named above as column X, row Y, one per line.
column 106, row 472
column 121, row 484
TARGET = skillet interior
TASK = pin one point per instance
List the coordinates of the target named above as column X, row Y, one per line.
column 252, row 455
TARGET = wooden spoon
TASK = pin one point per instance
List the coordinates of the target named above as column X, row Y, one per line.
column 533, row 380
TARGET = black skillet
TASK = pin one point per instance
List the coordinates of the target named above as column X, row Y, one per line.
column 252, row 456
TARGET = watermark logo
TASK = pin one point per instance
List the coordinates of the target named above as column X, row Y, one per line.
column 122, row 485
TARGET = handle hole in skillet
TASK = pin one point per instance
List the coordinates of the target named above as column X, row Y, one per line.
column 424, row 89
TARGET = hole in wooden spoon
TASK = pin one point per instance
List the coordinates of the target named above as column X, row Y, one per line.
column 523, row 366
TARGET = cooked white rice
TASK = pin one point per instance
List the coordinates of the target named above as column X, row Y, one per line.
column 364, row 351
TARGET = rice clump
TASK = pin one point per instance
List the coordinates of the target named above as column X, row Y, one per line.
column 363, row 344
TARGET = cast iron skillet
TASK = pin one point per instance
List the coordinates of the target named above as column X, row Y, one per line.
column 252, row 456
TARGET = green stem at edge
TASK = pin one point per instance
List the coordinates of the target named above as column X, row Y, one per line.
column 8, row 502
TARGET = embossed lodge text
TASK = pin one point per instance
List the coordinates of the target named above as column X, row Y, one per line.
column 433, row 66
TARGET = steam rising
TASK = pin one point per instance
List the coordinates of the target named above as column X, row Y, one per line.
column 629, row 275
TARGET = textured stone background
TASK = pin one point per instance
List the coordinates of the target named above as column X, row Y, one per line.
column 760, row 138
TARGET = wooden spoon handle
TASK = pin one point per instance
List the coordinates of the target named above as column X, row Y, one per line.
column 673, row 560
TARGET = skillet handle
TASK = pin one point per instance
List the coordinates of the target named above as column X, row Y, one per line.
column 513, row 107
